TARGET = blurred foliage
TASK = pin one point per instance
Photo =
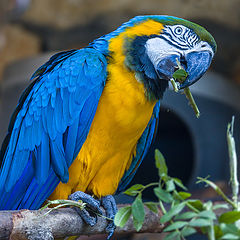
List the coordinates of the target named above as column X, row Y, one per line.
column 186, row 216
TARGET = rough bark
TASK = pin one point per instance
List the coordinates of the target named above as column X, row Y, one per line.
column 34, row 225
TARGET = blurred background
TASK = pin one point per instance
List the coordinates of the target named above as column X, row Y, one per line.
column 31, row 31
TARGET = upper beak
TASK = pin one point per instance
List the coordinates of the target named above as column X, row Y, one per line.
column 197, row 63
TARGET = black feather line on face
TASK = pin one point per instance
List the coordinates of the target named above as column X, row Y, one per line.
column 138, row 61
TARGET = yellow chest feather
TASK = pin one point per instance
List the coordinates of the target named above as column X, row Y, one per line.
column 122, row 115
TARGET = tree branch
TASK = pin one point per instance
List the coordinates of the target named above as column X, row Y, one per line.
column 34, row 225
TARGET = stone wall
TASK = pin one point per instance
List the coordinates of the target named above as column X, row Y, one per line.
column 16, row 43
column 68, row 13
column 53, row 25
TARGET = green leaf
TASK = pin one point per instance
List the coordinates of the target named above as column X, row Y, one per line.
column 172, row 235
column 184, row 195
column 217, row 206
column 175, row 225
column 137, row 225
column 152, row 206
column 208, row 205
column 172, row 212
column 230, row 236
column 229, row 228
column 163, row 195
column 196, row 204
column 160, row 163
column 187, row 231
column 180, row 74
column 217, row 231
column 133, row 190
column 200, row 222
column 207, row 214
column 138, row 211
column 229, row 217
column 186, row 215
column 170, row 186
column 122, row 216
column 179, row 183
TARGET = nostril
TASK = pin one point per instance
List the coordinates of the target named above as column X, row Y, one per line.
column 204, row 45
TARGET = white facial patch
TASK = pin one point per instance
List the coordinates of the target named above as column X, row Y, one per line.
column 158, row 48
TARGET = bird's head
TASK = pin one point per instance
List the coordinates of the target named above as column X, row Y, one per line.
column 151, row 46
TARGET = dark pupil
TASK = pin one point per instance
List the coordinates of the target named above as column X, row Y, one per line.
column 178, row 30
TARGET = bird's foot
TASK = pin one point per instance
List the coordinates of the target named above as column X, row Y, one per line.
column 93, row 205
column 109, row 204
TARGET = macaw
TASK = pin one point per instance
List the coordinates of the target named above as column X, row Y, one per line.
column 84, row 124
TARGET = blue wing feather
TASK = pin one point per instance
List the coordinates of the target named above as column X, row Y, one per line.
column 71, row 141
column 143, row 146
column 49, row 126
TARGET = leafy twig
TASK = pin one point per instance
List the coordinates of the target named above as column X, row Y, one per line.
column 180, row 76
column 192, row 101
column 175, row 85
column 233, row 164
column 217, row 189
column 69, row 203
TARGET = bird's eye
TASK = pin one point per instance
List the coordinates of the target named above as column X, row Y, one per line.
column 178, row 30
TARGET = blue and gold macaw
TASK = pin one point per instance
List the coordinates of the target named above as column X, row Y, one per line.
column 86, row 121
